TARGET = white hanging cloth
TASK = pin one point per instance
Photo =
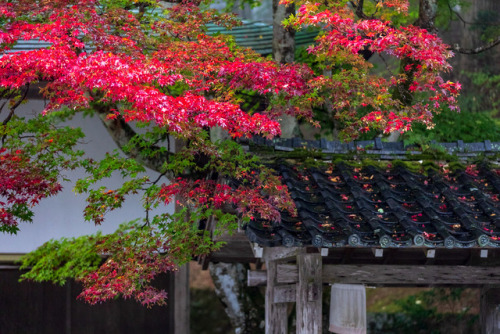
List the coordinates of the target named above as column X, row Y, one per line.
column 348, row 309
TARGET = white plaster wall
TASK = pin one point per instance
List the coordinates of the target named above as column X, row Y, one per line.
column 62, row 215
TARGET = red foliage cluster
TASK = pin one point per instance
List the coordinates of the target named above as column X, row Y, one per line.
column 128, row 273
column 169, row 73
column 345, row 41
column 262, row 198
column 23, row 184
column 138, row 79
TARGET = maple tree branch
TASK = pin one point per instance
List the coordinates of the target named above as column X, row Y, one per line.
column 358, row 6
column 17, row 104
column 7, row 98
column 459, row 49
column 452, row 11
column 12, row 110
column 457, row 14
column 122, row 134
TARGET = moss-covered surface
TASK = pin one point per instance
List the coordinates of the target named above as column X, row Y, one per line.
column 427, row 152
column 429, row 159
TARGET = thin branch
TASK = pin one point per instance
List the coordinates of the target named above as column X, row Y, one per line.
column 17, row 104
column 12, row 110
column 158, row 178
column 147, row 209
column 457, row 14
column 358, row 6
column 459, row 49
column 467, row 22
column 122, row 134
column 7, row 98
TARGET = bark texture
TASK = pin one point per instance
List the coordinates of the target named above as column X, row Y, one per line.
column 283, row 38
column 122, row 133
column 427, row 12
column 243, row 304
column 283, row 53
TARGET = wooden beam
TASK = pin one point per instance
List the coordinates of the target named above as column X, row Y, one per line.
column 256, row 278
column 279, row 253
column 10, row 257
column 309, row 294
column 239, row 249
column 276, row 313
column 285, row 293
column 391, row 275
column 287, row 273
column 181, row 300
column 395, row 275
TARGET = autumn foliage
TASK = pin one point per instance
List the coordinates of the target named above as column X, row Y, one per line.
column 138, row 62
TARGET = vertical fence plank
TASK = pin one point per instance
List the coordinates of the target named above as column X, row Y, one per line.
column 276, row 313
column 181, row 300
column 309, row 294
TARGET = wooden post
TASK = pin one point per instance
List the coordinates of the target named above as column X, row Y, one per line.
column 309, row 294
column 489, row 315
column 181, row 300
column 276, row 313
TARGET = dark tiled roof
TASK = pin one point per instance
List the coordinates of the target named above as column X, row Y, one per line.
column 385, row 150
column 339, row 205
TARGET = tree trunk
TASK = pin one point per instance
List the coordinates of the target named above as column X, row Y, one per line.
column 283, row 53
column 243, row 304
column 283, row 38
column 427, row 12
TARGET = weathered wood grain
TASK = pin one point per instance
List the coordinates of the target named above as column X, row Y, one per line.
column 391, row 275
column 181, row 298
column 279, row 253
column 285, row 293
column 256, row 278
column 287, row 273
column 309, row 292
column 239, row 249
column 276, row 313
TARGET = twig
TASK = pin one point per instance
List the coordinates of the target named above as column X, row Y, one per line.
column 477, row 50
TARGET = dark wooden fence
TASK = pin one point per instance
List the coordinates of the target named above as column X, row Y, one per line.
column 44, row 308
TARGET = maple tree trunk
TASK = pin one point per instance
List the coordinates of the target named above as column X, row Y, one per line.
column 243, row 304
column 427, row 12
column 283, row 38
column 283, row 53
